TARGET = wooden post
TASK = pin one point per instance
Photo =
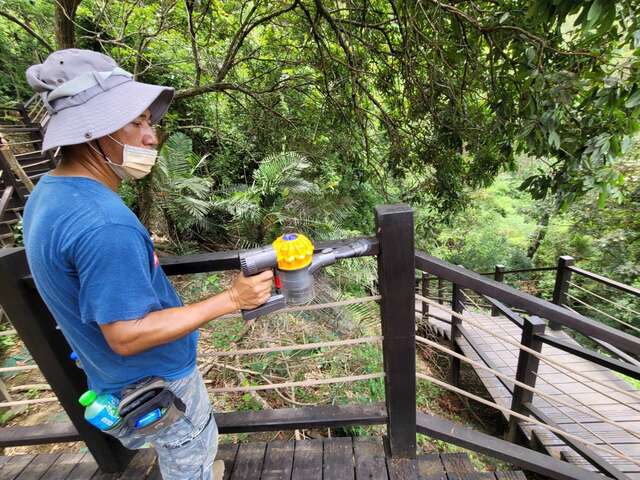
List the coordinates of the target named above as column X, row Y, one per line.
column 426, row 288
column 457, row 306
column 396, row 267
column 48, row 347
column 8, row 177
column 526, row 373
column 440, row 290
column 498, row 276
column 563, row 277
column 16, row 168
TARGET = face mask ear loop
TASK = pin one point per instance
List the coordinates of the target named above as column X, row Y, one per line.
column 99, row 151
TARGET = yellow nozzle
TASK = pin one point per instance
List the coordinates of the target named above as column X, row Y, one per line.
column 294, row 251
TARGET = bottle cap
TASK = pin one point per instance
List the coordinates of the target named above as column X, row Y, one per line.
column 87, row 398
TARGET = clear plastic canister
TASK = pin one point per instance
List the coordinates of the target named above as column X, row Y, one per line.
column 297, row 286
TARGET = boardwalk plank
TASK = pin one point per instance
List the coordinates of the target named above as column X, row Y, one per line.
column 15, row 466
column 227, row 453
column 85, row 468
column 510, row 476
column 63, row 465
column 402, row 469
column 140, row 465
column 430, row 467
column 248, row 465
column 471, row 476
column 457, row 463
column 337, row 461
column 278, row 460
column 38, row 466
column 369, row 459
column 307, row 460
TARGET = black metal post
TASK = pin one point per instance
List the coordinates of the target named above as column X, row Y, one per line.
column 498, row 276
column 396, row 269
column 561, row 287
column 440, row 290
column 526, row 373
column 426, row 289
column 37, row 329
column 457, row 306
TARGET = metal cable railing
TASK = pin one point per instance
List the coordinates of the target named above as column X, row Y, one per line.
column 596, row 309
column 542, row 358
column 507, row 378
column 610, row 449
column 615, row 304
column 520, row 416
column 553, row 403
column 254, row 351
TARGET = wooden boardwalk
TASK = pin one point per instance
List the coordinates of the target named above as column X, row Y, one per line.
column 341, row 458
column 570, row 388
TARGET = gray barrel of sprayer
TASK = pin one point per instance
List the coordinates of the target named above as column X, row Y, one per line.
column 297, row 286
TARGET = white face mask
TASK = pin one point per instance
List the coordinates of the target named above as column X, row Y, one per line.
column 136, row 161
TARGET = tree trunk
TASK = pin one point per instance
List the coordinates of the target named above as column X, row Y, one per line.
column 64, row 23
column 540, row 234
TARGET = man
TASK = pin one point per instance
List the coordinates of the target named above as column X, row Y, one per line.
column 93, row 262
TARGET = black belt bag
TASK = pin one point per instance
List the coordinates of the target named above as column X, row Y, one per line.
column 149, row 406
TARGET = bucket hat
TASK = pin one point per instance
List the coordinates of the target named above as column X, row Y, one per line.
column 89, row 96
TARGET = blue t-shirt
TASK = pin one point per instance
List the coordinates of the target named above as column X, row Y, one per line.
column 93, row 263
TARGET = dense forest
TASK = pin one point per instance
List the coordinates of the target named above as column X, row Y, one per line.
column 508, row 127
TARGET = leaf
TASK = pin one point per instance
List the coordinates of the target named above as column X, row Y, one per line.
column 594, row 12
column 554, row 139
column 633, row 100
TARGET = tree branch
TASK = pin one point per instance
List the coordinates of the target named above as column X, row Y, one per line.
column 28, row 29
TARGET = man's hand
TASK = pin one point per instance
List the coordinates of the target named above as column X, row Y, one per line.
column 251, row 292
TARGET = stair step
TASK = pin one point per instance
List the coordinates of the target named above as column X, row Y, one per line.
column 41, row 161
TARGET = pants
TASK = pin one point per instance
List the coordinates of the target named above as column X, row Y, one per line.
column 186, row 449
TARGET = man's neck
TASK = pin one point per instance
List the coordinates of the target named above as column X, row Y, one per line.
column 87, row 165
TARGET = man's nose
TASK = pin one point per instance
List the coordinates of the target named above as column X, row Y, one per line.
column 150, row 139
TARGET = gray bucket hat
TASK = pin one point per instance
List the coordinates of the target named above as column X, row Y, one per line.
column 88, row 96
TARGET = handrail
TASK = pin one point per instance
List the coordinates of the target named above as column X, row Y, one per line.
column 591, row 355
column 533, row 305
column 628, row 367
column 520, row 270
column 607, row 281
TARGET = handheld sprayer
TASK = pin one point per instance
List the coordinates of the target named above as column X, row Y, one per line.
column 292, row 258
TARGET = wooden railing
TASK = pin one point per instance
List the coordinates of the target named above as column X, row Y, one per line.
column 397, row 261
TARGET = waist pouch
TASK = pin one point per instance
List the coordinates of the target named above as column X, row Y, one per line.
column 149, row 406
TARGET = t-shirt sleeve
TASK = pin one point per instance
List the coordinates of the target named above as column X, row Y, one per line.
column 115, row 267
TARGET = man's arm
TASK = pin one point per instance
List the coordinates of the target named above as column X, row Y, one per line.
column 129, row 337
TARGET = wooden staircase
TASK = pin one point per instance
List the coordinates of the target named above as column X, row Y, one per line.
column 21, row 160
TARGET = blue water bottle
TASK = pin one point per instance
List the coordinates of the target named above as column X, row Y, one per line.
column 101, row 411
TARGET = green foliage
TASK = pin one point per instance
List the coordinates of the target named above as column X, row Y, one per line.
column 279, row 199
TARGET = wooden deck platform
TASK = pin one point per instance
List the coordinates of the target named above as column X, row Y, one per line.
column 341, row 458
column 573, row 389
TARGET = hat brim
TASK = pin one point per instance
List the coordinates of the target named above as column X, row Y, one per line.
column 106, row 113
